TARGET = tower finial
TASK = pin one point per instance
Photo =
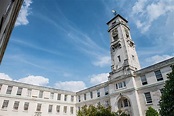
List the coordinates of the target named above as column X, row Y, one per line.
column 114, row 12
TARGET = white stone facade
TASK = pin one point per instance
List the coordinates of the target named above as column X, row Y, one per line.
column 128, row 88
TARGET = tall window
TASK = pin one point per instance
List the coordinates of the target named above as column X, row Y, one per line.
column 72, row 98
column 50, row 108
column 65, row 109
column 91, row 94
column 0, row 86
column 79, row 98
column 85, row 96
column 98, row 93
column 51, row 95
column 26, row 105
column 106, row 104
column 40, row 94
column 16, row 105
column 38, row 107
column 29, row 92
column 106, row 90
column 58, row 108
column 59, row 97
column 9, row 90
column 71, row 110
column 65, row 98
column 119, row 58
column 148, row 97
column 158, row 75
column 143, row 80
column 19, row 92
column 5, row 104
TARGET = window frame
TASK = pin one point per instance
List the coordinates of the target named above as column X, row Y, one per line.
column 148, row 98
column 158, row 75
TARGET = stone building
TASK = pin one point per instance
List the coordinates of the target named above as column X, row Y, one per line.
column 128, row 88
column 9, row 10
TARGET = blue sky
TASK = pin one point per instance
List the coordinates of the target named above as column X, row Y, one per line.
column 65, row 43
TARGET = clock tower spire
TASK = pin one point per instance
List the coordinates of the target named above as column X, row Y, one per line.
column 124, row 58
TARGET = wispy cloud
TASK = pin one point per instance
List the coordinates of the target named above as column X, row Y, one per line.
column 103, row 61
column 157, row 58
column 23, row 14
column 71, row 85
column 145, row 12
column 99, row 78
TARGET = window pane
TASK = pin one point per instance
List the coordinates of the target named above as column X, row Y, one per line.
column 143, row 80
column 91, row 94
column 5, row 104
column 72, row 98
column 65, row 98
column 16, row 105
column 71, row 110
column 19, row 92
column 40, row 94
column 50, row 108
column 58, row 108
column 158, row 75
column 38, row 107
column 65, row 109
column 59, row 97
column 9, row 90
column 148, row 97
column 26, row 105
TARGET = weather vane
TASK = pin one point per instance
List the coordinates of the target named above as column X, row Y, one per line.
column 114, row 12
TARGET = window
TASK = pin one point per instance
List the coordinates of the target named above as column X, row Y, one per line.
column 98, row 93
column 65, row 109
column 5, row 104
column 72, row 98
column 143, row 80
column 133, row 57
column 26, row 105
column 38, row 107
column 148, row 97
column 85, row 96
column 9, row 90
column 119, row 58
column 106, row 104
column 40, row 94
column 65, row 98
column 79, row 98
column 19, row 92
column 58, row 108
column 16, row 105
column 51, row 95
column 106, row 90
column 71, row 110
column 120, row 85
column 125, row 101
column 0, row 86
column 59, row 97
column 115, row 37
column 91, row 94
column 29, row 92
column 50, row 108
column 158, row 75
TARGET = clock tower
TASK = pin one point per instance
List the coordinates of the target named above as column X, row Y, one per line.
column 124, row 58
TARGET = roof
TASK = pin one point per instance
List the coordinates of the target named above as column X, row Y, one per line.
column 116, row 17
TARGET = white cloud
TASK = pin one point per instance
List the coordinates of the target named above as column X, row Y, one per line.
column 99, row 78
column 145, row 12
column 71, row 85
column 103, row 61
column 35, row 80
column 5, row 76
column 24, row 12
column 157, row 58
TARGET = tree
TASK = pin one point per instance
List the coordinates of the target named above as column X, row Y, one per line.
column 151, row 112
column 167, row 98
column 95, row 111
column 99, row 111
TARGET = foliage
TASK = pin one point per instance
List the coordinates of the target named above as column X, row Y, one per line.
column 95, row 111
column 121, row 113
column 99, row 111
column 151, row 112
column 167, row 98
